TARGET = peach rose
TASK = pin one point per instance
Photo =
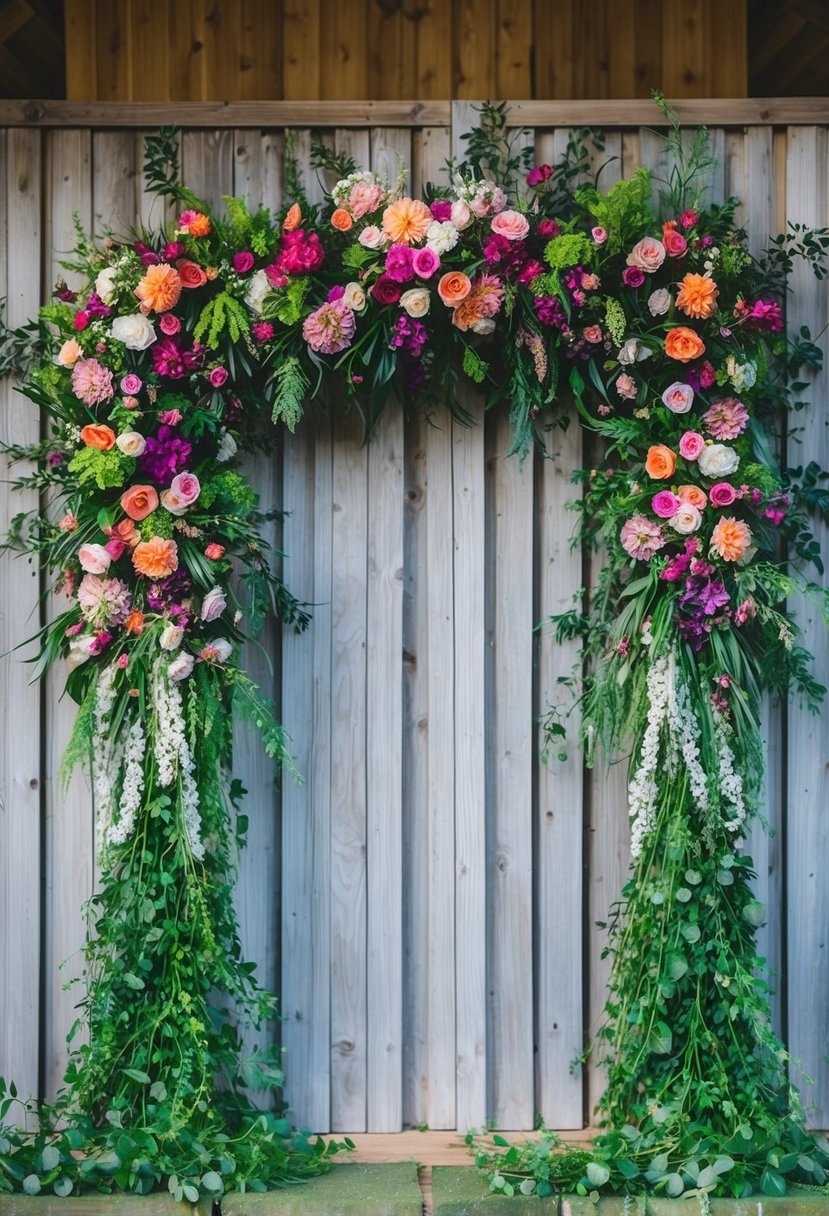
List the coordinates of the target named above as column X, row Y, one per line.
column 190, row 273
column 126, row 531
column 697, row 296
column 731, row 538
column 155, row 558
column 406, row 221
column 341, row 220
column 139, row 501
column 69, row 353
column 511, row 224
column 454, row 287
column 96, row 435
column 660, row 462
column 648, row 254
column 159, row 289
column 694, row 495
column 293, row 219
column 683, row 344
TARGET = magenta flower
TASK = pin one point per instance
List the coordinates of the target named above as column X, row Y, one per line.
column 722, row 494
column 633, row 276
column 218, row 376
column 399, row 264
column 131, row 384
column 243, row 261
column 441, row 209
column 262, row 331
column 665, row 504
column 169, row 324
column 425, row 261
column 539, row 175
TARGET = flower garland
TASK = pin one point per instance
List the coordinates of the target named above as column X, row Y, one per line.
column 668, row 337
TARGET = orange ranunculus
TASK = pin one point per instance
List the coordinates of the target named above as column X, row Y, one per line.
column 98, row 436
column 406, row 221
column 159, row 289
column 454, row 287
column 135, row 623
column 155, row 558
column 660, row 462
column 198, row 224
column 139, row 501
column 697, row 296
column 683, row 344
column 293, row 219
column 694, row 495
column 731, row 538
column 190, row 273
column 341, row 220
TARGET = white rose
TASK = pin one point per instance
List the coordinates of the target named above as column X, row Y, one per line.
column 659, row 301
column 227, row 447
column 461, row 214
column 415, row 301
column 687, row 519
column 173, row 503
column 181, row 667
column 171, row 636
column 105, row 284
column 135, row 331
column 80, row 650
column 131, row 443
column 484, row 326
column 354, row 297
column 213, row 604
column 371, row 237
column 634, row 352
column 258, row 288
column 717, row 460
column 441, row 237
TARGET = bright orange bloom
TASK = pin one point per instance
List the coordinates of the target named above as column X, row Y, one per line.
column 406, row 221
column 731, row 538
column 293, row 219
column 155, row 558
column 341, row 220
column 697, row 296
column 159, row 289
column 454, row 287
column 135, row 623
column 138, row 502
column 683, row 344
column 98, row 436
column 694, row 495
column 660, row 462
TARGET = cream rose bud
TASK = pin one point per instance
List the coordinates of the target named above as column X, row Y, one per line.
column 135, row 331
column 659, row 302
column 80, row 650
column 258, row 288
column 181, row 667
column 94, row 559
column 105, row 284
column 634, row 352
column 171, row 502
column 213, row 604
column 687, row 519
column 131, row 443
column 371, row 237
column 484, row 325
column 461, row 214
column 69, row 353
column 354, row 297
column 717, row 460
column 171, row 636
column 415, row 301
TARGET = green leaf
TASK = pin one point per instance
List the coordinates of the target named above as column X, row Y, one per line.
column 190, row 1192
column 674, row 1186
column 31, row 1185
column 661, row 1040
column 597, row 1173
column 49, row 1158
column 212, row 1182
column 135, row 1074
column 771, row 1183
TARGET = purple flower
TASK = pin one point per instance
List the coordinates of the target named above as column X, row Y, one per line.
column 164, row 596
column 335, row 293
column 550, row 311
column 164, row 456
column 96, row 307
column 409, row 335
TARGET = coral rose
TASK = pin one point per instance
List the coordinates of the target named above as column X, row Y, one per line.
column 139, row 501
column 731, row 538
column 69, row 353
column 155, row 558
column 683, row 344
column 341, row 220
column 694, row 495
column 190, row 273
column 159, row 289
column 660, row 462
column 697, row 296
column 293, row 219
column 406, row 221
column 98, row 436
column 454, row 287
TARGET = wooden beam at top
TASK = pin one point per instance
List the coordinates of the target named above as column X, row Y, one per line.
column 708, row 111
column 225, row 114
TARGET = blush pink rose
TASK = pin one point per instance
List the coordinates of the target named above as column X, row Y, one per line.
column 678, row 397
column 510, row 224
column 186, row 488
column 648, row 254
column 691, row 445
column 94, row 559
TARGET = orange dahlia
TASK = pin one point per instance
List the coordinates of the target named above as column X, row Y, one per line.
column 697, row 296
column 159, row 289
column 155, row 558
column 731, row 538
column 406, row 221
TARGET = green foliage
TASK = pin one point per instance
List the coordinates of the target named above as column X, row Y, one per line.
column 566, row 250
column 108, row 470
column 474, row 366
column 290, row 391
column 161, row 169
column 624, row 210
column 493, row 149
column 287, row 304
column 223, row 312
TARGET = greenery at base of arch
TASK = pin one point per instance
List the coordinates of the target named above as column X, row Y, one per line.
column 532, row 281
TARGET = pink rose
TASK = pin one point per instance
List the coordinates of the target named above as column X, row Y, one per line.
column 218, row 376
column 170, row 417
column 186, row 487
column 675, row 244
column 94, row 559
column 626, row 386
column 722, row 494
column 691, row 444
column 131, row 384
column 213, row 604
column 115, row 548
column 678, row 397
column 593, row 333
column 425, row 262
column 648, row 254
column 371, row 237
column 665, row 504
column 169, row 324
column 461, row 214
column 510, row 224
column 599, row 235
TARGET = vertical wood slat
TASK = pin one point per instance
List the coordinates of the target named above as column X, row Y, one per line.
column 509, row 780
column 69, row 815
column 807, row 966
column 20, row 726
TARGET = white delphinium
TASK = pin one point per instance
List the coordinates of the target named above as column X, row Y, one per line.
column 729, row 780
column 173, row 757
column 132, row 787
column 643, row 787
column 685, row 726
column 104, row 766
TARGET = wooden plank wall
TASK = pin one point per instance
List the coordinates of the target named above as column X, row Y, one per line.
column 426, row 901
column 190, row 50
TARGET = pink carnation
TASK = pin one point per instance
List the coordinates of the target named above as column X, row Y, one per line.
column 364, row 198
column 330, row 329
column 91, row 383
column 726, row 419
column 626, row 386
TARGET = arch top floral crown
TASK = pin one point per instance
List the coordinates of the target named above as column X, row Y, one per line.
column 539, row 287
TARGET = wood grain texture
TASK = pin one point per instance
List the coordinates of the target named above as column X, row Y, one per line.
column 21, row 776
